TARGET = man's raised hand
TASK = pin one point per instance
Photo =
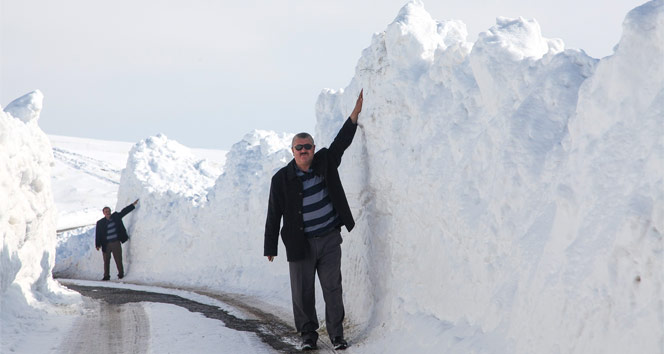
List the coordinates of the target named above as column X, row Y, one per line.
column 358, row 107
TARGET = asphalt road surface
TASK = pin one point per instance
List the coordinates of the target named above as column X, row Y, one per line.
column 117, row 322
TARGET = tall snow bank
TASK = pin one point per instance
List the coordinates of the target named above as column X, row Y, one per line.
column 27, row 221
column 76, row 256
column 171, row 184
column 165, row 171
column 509, row 197
column 198, row 227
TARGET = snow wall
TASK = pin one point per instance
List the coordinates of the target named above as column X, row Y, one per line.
column 508, row 194
column 27, row 222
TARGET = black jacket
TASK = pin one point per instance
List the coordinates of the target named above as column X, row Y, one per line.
column 286, row 197
column 100, row 232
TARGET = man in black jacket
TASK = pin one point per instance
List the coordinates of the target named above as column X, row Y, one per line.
column 110, row 233
column 308, row 195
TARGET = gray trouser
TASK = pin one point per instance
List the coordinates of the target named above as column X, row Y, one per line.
column 115, row 248
column 323, row 255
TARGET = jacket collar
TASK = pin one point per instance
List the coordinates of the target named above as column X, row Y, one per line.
column 291, row 168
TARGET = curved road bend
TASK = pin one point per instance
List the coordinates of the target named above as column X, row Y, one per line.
column 125, row 326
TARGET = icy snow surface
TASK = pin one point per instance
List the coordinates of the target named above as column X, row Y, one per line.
column 508, row 194
column 27, row 222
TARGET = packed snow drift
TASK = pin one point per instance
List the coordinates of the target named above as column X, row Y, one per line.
column 508, row 195
column 27, row 221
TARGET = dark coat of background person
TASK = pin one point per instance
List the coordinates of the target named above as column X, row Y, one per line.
column 100, row 237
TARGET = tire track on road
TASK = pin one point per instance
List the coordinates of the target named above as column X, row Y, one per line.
column 271, row 331
column 109, row 329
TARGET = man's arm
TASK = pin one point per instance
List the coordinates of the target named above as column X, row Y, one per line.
column 128, row 209
column 345, row 136
column 272, row 222
column 98, row 235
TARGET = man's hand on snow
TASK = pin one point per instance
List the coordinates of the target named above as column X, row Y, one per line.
column 358, row 108
column 270, row 258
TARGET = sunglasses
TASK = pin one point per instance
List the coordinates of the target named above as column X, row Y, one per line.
column 299, row 147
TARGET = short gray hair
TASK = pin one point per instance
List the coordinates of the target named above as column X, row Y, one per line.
column 302, row 135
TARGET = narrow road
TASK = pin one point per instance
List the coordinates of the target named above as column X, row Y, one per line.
column 108, row 329
column 121, row 325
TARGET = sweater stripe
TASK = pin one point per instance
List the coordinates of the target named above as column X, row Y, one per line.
column 318, row 213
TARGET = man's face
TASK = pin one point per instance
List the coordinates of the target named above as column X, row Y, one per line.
column 303, row 156
column 107, row 212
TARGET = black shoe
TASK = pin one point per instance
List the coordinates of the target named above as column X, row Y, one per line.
column 106, row 278
column 120, row 276
column 339, row 343
column 309, row 344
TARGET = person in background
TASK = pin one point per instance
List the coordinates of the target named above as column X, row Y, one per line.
column 308, row 195
column 110, row 233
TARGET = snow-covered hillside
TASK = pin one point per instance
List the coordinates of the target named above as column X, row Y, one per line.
column 86, row 176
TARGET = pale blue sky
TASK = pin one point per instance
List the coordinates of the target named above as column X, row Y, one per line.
column 207, row 72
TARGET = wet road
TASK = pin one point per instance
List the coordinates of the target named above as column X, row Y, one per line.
column 121, row 325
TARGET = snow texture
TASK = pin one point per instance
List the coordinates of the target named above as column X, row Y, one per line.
column 27, row 222
column 509, row 197
column 192, row 228
column 508, row 194
column 86, row 178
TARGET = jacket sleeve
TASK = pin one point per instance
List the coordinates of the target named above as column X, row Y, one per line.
column 274, row 214
column 127, row 210
column 98, row 234
column 342, row 141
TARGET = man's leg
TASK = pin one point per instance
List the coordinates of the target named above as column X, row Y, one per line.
column 302, row 278
column 329, row 274
column 116, row 249
column 107, row 263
